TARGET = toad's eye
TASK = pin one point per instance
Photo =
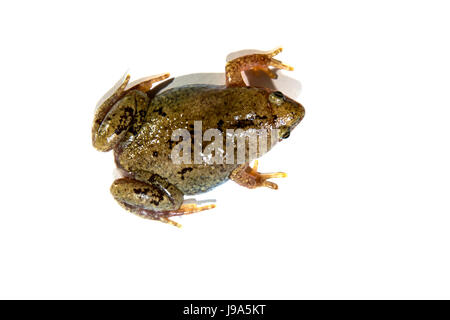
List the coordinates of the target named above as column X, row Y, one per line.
column 276, row 98
column 286, row 135
column 284, row 132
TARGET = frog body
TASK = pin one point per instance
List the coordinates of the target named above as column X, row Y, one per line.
column 139, row 127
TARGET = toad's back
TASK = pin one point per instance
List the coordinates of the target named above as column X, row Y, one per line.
column 216, row 107
column 139, row 127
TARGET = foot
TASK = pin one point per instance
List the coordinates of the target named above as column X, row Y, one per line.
column 260, row 61
column 164, row 216
column 250, row 177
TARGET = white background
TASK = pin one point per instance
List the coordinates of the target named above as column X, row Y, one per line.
column 363, row 214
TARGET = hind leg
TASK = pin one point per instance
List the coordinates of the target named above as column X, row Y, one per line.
column 155, row 199
column 124, row 109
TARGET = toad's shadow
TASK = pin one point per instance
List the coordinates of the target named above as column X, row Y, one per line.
column 289, row 86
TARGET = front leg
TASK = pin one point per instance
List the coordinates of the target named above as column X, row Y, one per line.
column 249, row 177
column 156, row 199
column 260, row 61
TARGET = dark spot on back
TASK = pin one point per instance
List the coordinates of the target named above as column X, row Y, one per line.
column 183, row 171
column 220, row 124
column 240, row 124
column 141, row 191
column 160, row 112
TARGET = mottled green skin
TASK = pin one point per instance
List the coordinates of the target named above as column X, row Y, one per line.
column 137, row 123
column 147, row 146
